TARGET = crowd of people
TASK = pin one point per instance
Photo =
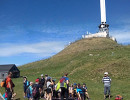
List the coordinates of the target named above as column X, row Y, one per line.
column 46, row 88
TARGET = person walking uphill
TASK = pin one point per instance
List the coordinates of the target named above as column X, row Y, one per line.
column 107, row 84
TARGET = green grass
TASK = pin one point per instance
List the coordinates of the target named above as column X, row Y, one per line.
column 75, row 59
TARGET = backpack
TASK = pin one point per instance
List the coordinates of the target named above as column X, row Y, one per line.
column 118, row 97
column 27, row 83
column 42, row 81
column 62, row 81
column 34, row 91
column 3, row 83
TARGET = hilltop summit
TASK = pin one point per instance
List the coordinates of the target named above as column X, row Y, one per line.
column 89, row 44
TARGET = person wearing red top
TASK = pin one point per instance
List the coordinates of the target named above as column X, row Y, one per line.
column 9, row 86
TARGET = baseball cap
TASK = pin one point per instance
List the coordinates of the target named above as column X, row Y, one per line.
column 75, row 84
column 31, row 82
column 48, row 77
column 37, row 80
column 106, row 73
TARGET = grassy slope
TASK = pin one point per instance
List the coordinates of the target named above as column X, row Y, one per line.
column 83, row 67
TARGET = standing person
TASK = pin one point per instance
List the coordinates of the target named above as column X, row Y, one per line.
column 55, row 93
column 107, row 84
column 49, row 88
column 67, row 83
column 36, row 90
column 45, row 86
column 63, row 84
column 71, row 90
column 25, row 85
column 85, row 91
column 74, row 91
column 9, row 86
column 29, row 91
column 79, row 92
column 42, row 81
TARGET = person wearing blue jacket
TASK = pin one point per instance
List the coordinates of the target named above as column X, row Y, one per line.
column 29, row 91
column 25, row 85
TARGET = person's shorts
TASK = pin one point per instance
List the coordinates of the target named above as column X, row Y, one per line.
column 25, row 88
column 48, row 91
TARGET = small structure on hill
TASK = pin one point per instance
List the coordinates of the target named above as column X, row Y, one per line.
column 4, row 69
column 103, row 27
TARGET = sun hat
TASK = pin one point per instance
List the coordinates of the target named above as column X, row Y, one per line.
column 106, row 73
column 41, row 74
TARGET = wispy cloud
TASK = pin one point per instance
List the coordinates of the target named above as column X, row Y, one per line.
column 40, row 49
column 121, row 36
column 122, row 33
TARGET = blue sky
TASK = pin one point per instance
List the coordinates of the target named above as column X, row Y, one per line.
column 32, row 30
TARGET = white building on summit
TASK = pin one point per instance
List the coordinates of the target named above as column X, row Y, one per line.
column 103, row 27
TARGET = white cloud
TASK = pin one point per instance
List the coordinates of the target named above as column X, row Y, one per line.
column 122, row 34
column 40, row 49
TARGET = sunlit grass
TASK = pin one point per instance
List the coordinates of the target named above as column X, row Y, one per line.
column 106, row 55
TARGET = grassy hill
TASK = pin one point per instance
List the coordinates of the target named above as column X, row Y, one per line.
column 86, row 60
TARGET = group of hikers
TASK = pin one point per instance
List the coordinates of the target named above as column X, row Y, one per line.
column 46, row 88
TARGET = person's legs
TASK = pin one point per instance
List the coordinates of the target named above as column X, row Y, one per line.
column 56, row 93
column 62, row 93
column 50, row 96
column 25, row 91
column 38, row 97
column 87, row 94
column 45, row 93
column 35, row 98
column 66, row 94
column 82, row 96
column 109, row 93
column 47, row 96
column 79, row 96
column 9, row 96
column 105, row 92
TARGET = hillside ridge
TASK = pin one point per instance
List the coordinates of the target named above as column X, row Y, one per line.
column 85, row 61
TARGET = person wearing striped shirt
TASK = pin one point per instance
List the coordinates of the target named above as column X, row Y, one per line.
column 107, row 84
